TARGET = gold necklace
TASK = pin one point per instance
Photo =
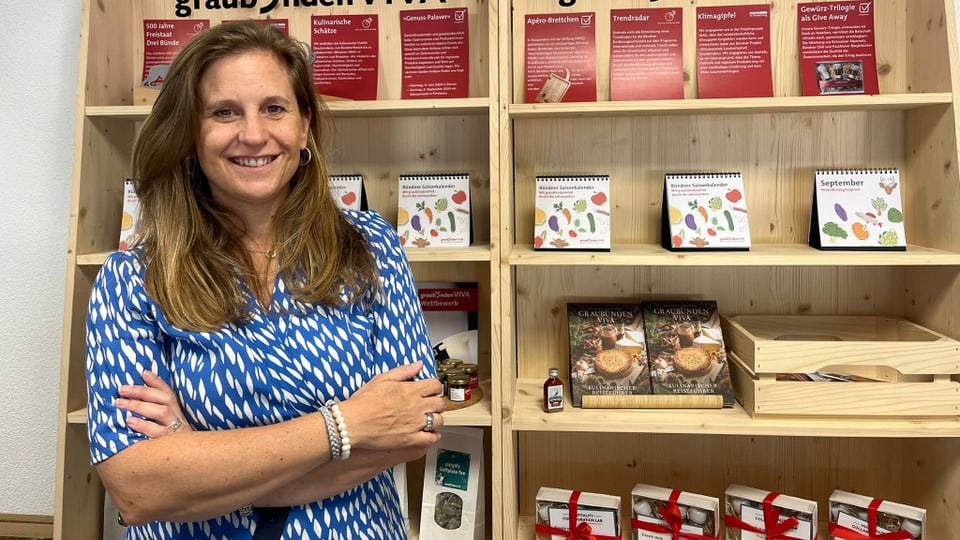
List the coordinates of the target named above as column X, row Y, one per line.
column 270, row 254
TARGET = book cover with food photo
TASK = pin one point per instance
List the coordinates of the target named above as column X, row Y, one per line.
column 685, row 349
column 607, row 350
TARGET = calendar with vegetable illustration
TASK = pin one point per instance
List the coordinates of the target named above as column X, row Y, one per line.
column 704, row 212
column 572, row 213
column 857, row 210
column 434, row 210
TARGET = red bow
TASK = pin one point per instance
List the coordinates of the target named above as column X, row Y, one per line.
column 671, row 514
column 581, row 531
column 846, row 533
column 771, row 517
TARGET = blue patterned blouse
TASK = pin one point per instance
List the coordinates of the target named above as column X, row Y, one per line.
column 277, row 367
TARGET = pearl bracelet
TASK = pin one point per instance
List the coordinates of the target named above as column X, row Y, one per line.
column 335, row 448
column 341, row 428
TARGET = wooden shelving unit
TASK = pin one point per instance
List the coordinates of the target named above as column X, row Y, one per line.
column 504, row 143
column 379, row 139
column 776, row 143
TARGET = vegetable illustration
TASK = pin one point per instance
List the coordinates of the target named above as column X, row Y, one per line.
column 429, row 214
column 553, row 223
column 677, row 241
column 539, row 216
column 879, row 205
column 566, row 214
column 841, row 213
column 402, row 216
column 537, row 241
column 726, row 214
column 593, row 223
column 441, row 205
column 415, row 223
column 691, row 222
column 734, row 195
column 832, row 229
column 675, row 215
column 433, row 232
column 894, row 215
column 694, row 205
column 349, row 198
column 580, row 205
column 598, row 198
column 716, row 203
column 459, row 197
column 572, row 233
column 453, row 222
column 888, row 238
column 711, row 232
column 860, row 231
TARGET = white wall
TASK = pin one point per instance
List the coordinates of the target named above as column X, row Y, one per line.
column 38, row 85
column 38, row 76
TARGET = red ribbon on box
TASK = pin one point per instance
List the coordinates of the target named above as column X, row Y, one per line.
column 846, row 533
column 771, row 517
column 576, row 531
column 671, row 514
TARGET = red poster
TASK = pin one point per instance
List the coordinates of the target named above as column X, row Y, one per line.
column 436, row 59
column 162, row 42
column 561, row 57
column 646, row 54
column 733, row 51
column 837, row 53
column 347, row 55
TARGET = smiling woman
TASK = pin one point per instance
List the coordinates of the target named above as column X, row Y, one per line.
column 239, row 355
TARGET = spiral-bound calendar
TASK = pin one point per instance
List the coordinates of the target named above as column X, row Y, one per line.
column 572, row 213
column 348, row 191
column 434, row 210
column 704, row 212
column 857, row 209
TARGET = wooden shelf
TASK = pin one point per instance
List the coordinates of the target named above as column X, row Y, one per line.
column 474, row 253
column 342, row 109
column 673, row 107
column 528, row 416
column 759, row 255
column 476, row 415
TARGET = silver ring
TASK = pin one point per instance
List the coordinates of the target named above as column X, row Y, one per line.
column 175, row 425
column 429, row 426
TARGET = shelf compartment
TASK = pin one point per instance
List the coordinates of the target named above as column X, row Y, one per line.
column 527, row 415
column 759, row 255
column 739, row 106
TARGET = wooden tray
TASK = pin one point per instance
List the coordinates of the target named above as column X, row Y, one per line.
column 915, row 367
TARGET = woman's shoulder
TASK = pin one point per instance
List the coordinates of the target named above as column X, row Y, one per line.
column 127, row 263
column 379, row 233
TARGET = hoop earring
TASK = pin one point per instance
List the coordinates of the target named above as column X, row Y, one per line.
column 305, row 160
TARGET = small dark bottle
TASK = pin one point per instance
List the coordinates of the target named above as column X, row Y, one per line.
column 553, row 392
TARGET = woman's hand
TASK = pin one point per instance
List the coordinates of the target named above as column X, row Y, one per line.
column 156, row 402
column 390, row 411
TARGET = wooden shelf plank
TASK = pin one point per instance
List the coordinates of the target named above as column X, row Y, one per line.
column 759, row 255
column 344, row 109
column 477, row 415
column 673, row 107
column 528, row 416
column 474, row 253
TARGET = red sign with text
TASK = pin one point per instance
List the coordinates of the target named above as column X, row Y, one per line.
column 560, row 57
column 436, row 59
column 646, row 54
column 733, row 51
column 347, row 49
column 162, row 42
column 837, row 52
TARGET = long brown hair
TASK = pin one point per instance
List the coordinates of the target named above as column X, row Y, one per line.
column 195, row 264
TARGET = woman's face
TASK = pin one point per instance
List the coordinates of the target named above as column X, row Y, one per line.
column 251, row 132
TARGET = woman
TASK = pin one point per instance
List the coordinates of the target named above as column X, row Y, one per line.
column 290, row 331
